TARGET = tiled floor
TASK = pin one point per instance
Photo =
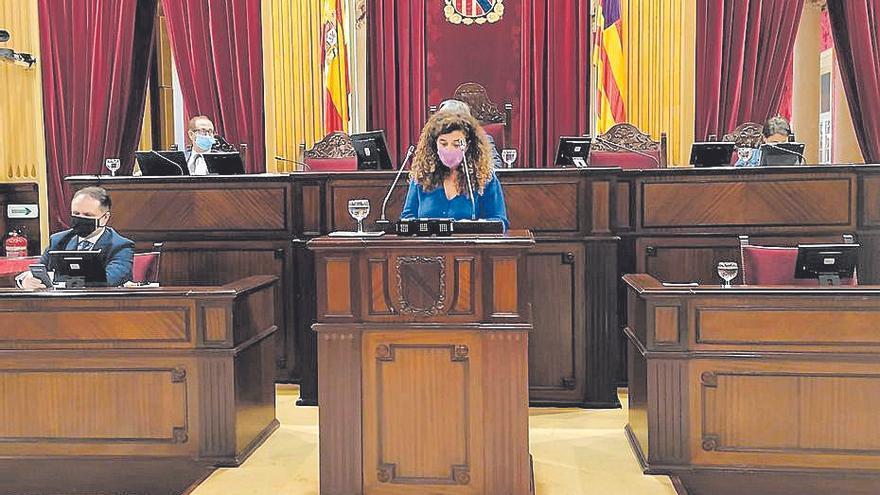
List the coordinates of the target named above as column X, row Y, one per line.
column 576, row 452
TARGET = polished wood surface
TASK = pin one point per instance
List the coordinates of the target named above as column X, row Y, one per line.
column 171, row 372
column 423, row 364
column 754, row 380
column 590, row 226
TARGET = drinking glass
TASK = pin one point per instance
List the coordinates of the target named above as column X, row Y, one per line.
column 359, row 209
column 509, row 156
column 727, row 270
column 112, row 165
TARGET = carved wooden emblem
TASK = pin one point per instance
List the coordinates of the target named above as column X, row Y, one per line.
column 625, row 136
column 482, row 108
column 421, row 285
column 334, row 145
column 747, row 135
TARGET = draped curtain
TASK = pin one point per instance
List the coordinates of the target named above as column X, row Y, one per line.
column 854, row 27
column 396, row 70
column 555, row 77
column 95, row 68
column 743, row 50
column 217, row 47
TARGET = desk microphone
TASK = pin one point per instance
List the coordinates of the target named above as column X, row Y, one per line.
column 160, row 155
column 627, row 148
column 803, row 160
column 467, row 175
column 383, row 222
column 304, row 165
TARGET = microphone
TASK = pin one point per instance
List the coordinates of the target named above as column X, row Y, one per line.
column 627, row 148
column 160, row 155
column 288, row 160
column 464, row 146
column 803, row 160
column 383, row 222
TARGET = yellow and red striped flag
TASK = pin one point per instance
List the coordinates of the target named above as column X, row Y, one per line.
column 610, row 65
column 335, row 60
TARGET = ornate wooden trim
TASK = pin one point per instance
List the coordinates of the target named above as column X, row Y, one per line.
column 482, row 108
column 709, row 442
column 746, row 135
column 334, row 145
column 178, row 435
column 384, row 353
column 460, row 352
column 628, row 136
column 178, row 375
column 459, row 475
column 439, row 304
column 709, row 379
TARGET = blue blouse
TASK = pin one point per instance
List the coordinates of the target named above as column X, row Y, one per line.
column 753, row 161
column 433, row 204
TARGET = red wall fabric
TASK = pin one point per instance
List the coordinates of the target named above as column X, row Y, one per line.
column 856, row 32
column 535, row 57
column 95, row 68
column 743, row 50
column 218, row 51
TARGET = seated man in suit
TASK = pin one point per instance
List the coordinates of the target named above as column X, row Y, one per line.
column 89, row 214
column 458, row 106
column 201, row 134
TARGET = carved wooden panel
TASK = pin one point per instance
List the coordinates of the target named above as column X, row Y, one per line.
column 340, row 192
column 482, row 108
column 746, row 135
column 601, row 196
column 422, row 408
column 338, row 283
column 625, row 135
column 176, row 208
column 623, row 206
column 89, row 405
column 777, row 203
column 333, row 145
column 543, row 206
column 216, row 324
column 312, row 212
column 666, row 325
column 464, row 286
column 504, row 285
column 421, row 285
column 380, row 291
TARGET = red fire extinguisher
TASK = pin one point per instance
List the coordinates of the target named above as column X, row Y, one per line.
column 16, row 245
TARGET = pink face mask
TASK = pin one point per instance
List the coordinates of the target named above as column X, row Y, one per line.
column 452, row 158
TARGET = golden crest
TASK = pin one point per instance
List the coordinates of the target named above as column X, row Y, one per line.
column 469, row 12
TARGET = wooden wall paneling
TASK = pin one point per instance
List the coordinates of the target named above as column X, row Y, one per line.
column 602, row 335
column 668, row 414
column 306, row 310
column 254, row 385
column 546, row 204
column 340, row 191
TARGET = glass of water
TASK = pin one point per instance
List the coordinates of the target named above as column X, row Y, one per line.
column 509, row 156
column 727, row 270
column 112, row 165
column 359, row 209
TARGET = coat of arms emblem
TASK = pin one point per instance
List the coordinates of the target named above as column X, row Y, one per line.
column 473, row 11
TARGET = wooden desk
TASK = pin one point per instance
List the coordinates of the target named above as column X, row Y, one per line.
column 763, row 382
column 172, row 372
column 423, row 371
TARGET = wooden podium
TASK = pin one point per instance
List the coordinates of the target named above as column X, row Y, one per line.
column 423, row 364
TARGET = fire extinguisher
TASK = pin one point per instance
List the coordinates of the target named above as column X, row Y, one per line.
column 16, row 245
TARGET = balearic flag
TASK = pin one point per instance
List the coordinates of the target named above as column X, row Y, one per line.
column 335, row 61
column 610, row 65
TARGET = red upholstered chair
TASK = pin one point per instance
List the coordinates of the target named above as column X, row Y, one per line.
column 11, row 267
column 334, row 153
column 774, row 265
column 146, row 265
column 612, row 149
column 494, row 121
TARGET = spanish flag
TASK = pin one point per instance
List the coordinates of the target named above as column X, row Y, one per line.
column 335, row 60
column 610, row 65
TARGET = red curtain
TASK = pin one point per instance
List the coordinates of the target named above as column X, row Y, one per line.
column 854, row 27
column 95, row 62
column 396, row 85
column 217, row 46
column 743, row 50
column 555, row 77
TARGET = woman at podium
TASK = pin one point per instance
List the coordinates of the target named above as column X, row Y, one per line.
column 452, row 174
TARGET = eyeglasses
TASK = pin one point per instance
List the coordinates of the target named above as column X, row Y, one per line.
column 203, row 132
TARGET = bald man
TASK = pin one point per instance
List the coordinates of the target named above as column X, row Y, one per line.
column 200, row 131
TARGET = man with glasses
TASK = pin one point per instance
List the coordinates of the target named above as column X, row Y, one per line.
column 201, row 134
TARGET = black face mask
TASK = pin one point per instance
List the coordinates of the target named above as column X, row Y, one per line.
column 83, row 226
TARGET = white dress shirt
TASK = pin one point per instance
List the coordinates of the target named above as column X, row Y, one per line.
column 196, row 164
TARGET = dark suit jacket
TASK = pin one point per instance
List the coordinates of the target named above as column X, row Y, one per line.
column 117, row 250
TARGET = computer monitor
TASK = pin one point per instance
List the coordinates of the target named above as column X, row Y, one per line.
column 775, row 154
column 158, row 163
column 826, row 262
column 712, row 154
column 573, row 151
column 78, row 268
column 224, row 163
column 372, row 150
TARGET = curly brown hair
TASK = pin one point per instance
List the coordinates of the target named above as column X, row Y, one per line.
column 429, row 172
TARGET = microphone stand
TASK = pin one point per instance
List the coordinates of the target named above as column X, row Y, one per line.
column 803, row 160
column 160, row 155
column 628, row 149
column 304, row 165
column 468, row 178
column 383, row 222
